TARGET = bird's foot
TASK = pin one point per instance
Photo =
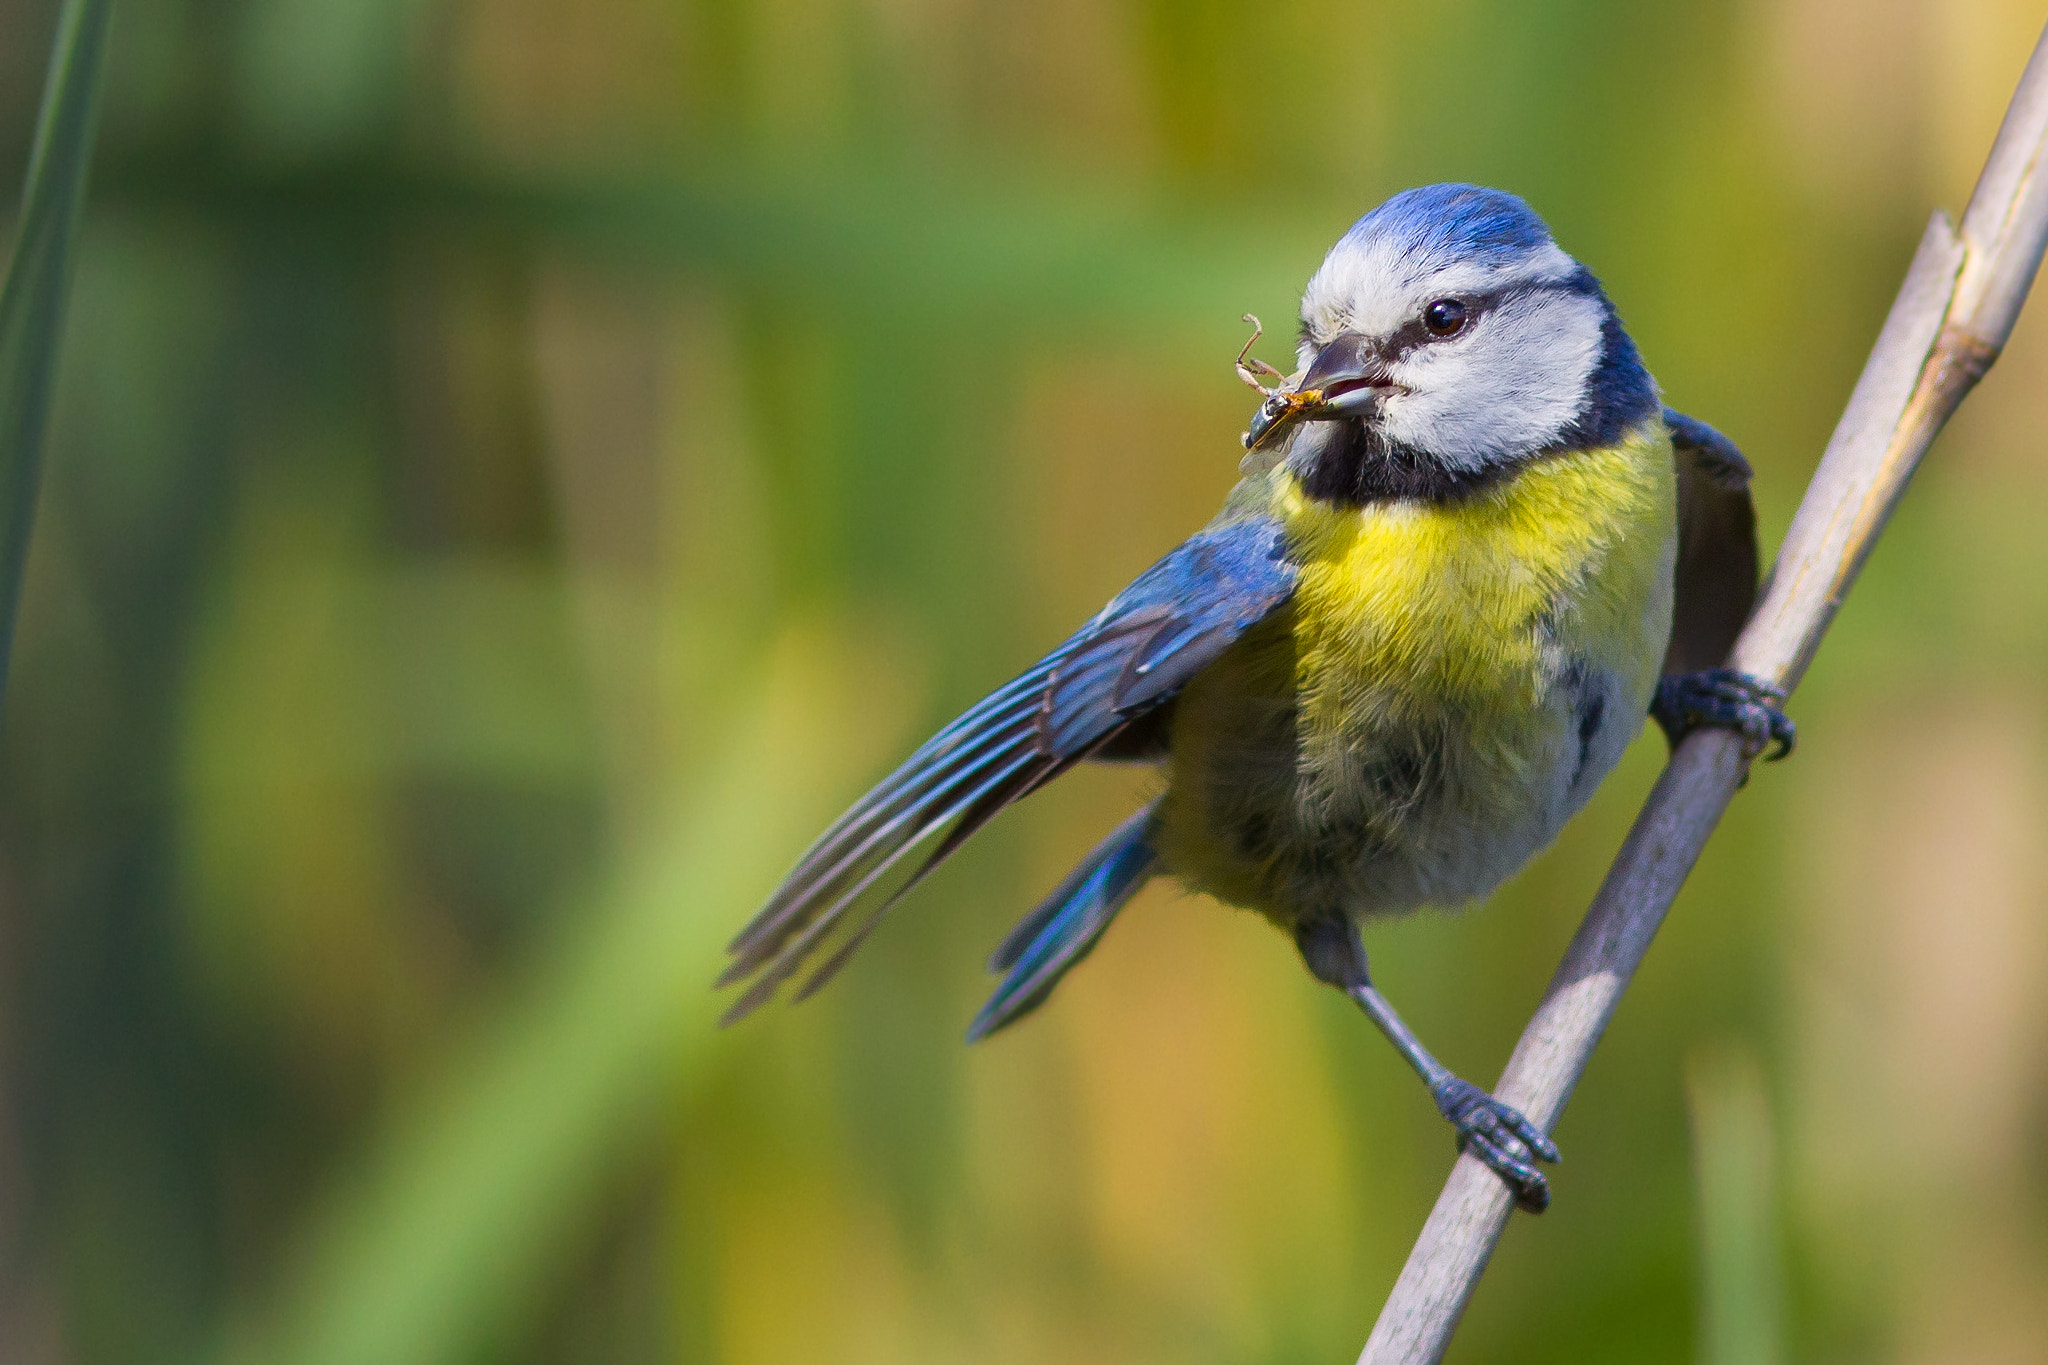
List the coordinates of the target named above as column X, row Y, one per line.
column 1500, row 1136
column 1728, row 700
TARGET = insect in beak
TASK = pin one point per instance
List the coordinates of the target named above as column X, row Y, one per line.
column 1283, row 406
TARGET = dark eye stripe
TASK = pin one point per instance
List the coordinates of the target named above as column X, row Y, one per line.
column 1415, row 332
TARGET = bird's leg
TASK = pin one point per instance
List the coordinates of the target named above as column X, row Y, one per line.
column 1496, row 1133
column 1728, row 700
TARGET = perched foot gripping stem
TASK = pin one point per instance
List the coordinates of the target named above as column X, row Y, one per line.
column 1727, row 700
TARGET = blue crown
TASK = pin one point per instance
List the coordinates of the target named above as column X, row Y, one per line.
column 1463, row 222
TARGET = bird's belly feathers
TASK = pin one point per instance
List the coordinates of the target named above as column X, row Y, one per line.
column 1448, row 685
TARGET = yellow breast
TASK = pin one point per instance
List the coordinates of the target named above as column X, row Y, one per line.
column 1406, row 606
column 1445, row 687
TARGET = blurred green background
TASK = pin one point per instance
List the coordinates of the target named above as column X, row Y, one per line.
column 519, row 467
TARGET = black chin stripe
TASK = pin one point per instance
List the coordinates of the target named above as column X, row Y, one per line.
column 1352, row 464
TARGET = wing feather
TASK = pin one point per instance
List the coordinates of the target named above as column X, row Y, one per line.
column 1174, row 620
column 1715, row 586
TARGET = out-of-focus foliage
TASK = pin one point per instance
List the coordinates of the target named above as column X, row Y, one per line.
column 519, row 465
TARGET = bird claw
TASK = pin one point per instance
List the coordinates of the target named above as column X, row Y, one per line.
column 1728, row 700
column 1499, row 1135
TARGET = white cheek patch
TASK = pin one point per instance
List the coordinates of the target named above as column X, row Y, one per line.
column 1507, row 388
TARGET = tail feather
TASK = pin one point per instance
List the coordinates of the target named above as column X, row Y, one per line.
column 1047, row 943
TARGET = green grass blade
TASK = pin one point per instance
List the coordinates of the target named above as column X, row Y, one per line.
column 32, row 301
column 1740, row 1276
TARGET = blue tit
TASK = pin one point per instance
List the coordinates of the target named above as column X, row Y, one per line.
column 1470, row 551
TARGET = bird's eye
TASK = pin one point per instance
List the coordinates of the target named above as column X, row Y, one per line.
column 1445, row 317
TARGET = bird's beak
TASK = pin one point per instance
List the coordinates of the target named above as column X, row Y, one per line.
column 1347, row 378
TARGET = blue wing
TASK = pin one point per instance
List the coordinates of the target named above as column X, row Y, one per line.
column 1177, row 618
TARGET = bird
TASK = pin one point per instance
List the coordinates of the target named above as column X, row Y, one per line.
column 1469, row 552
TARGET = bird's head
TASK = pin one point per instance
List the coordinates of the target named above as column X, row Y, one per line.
column 1448, row 339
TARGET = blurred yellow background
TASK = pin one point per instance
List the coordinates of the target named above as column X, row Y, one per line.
column 520, row 467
